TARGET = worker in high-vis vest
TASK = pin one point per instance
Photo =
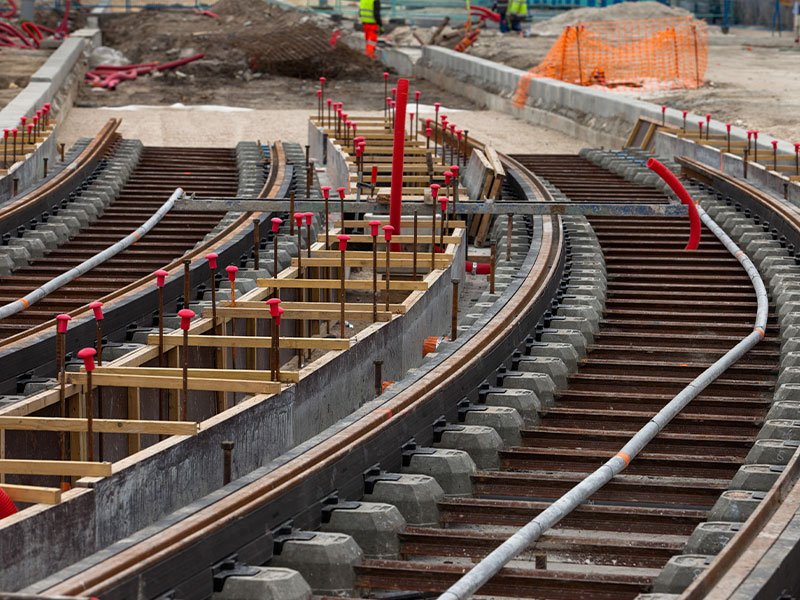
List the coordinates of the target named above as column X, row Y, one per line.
column 370, row 13
column 517, row 10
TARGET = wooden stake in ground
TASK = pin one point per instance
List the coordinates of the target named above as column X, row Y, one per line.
column 274, row 360
column 186, row 316
column 374, row 225
column 87, row 355
column 387, row 235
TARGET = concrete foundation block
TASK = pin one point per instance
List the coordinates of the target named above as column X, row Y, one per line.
column 452, row 469
column 415, row 496
column 524, row 402
column 771, row 452
column 550, row 366
column 735, row 506
column 270, row 583
column 373, row 525
column 785, row 409
column 7, row 265
column 113, row 352
column 480, row 442
column 590, row 301
column 780, row 429
column 325, row 561
column 679, row 572
column 586, row 290
column 573, row 337
column 539, row 383
column 710, row 538
column 583, row 312
column 755, row 478
column 505, row 421
column 566, row 353
column 575, row 323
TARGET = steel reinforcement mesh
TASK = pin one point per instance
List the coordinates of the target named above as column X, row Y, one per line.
column 653, row 54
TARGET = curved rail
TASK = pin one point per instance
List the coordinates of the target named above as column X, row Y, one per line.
column 469, row 358
column 30, row 205
column 232, row 231
column 473, row 580
column 87, row 265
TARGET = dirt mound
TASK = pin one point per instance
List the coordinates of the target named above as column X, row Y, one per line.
column 626, row 11
column 249, row 37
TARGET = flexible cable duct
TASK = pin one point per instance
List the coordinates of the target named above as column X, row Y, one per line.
column 87, row 265
column 473, row 580
column 7, row 507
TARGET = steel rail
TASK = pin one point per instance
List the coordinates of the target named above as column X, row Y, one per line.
column 51, row 286
column 743, row 552
column 21, row 210
column 233, row 230
column 469, row 358
column 487, row 568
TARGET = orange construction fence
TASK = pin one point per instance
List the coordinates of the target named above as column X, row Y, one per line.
column 649, row 55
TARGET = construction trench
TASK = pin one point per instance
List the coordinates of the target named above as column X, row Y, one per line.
column 354, row 363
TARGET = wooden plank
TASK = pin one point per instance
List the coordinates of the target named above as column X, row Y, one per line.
column 480, row 238
column 358, row 238
column 222, row 374
column 71, row 468
column 31, row 494
column 135, row 413
column 476, row 173
column 100, row 425
column 333, row 284
column 238, row 341
column 398, row 309
column 423, row 261
column 176, row 383
column 494, row 160
column 423, row 258
column 317, row 315
column 424, row 222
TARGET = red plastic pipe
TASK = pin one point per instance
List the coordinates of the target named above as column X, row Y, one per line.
column 178, row 63
column 9, row 14
column 63, row 27
column 677, row 187
column 124, row 67
column 398, row 151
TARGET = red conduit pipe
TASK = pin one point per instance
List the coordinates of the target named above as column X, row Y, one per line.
column 178, row 63
column 15, row 32
column 29, row 28
column 124, row 67
column 677, row 187
column 398, row 152
column 11, row 12
column 7, row 507
column 63, row 27
column 478, row 268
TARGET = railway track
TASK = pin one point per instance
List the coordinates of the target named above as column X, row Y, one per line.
column 160, row 170
column 659, row 316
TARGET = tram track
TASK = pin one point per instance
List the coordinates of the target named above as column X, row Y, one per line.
column 668, row 314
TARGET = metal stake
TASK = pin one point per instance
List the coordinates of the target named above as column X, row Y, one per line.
column 454, row 311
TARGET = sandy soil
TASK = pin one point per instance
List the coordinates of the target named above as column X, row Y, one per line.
column 16, row 67
column 164, row 126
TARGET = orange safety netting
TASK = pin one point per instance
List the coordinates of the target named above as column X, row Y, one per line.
column 650, row 55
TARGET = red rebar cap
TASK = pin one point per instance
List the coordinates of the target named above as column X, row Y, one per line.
column 749, row 134
column 212, row 257
column 61, row 326
column 341, row 193
column 278, row 318
column 14, row 132
column 700, row 124
column 319, row 93
column 443, row 203
column 373, row 225
column 388, row 100
column 728, row 127
column 344, row 116
column 97, row 307
column 6, row 132
column 428, row 131
column 663, row 108
column 774, row 144
column 354, row 126
column 87, row 354
column 428, row 122
column 447, row 176
column 329, row 101
column 359, row 139
column 30, row 127
column 231, row 269
column 186, row 316
column 452, row 127
column 35, row 120
column 416, row 95
column 435, row 189
column 273, row 306
column 454, row 170
column 161, row 275
column 444, row 119
column 308, row 216
column 385, row 75
column 39, row 113
column 22, row 120
column 458, row 133
column 797, row 147
column 47, row 105
column 436, row 105
column 394, row 92
column 387, row 232
column 708, row 116
column 411, row 115
column 322, row 80
column 755, row 134
column 342, row 241
column 276, row 223
column 298, row 216
column 326, row 191
column 686, row 112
